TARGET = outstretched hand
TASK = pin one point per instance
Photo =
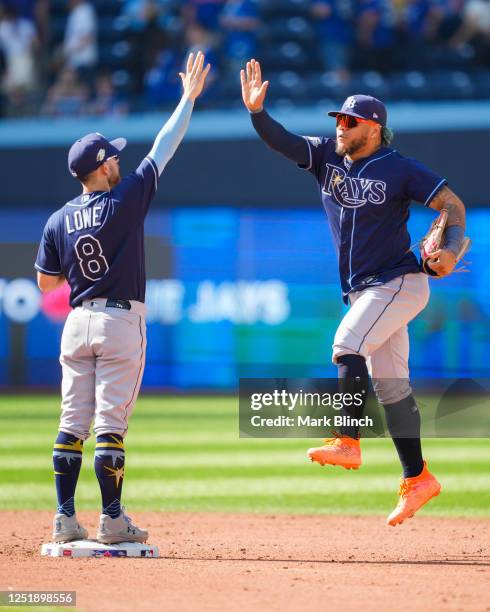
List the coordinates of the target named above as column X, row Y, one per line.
column 195, row 75
column 253, row 90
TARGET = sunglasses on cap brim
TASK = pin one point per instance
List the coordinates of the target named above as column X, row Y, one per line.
column 348, row 121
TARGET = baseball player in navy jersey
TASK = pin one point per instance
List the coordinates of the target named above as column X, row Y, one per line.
column 96, row 243
column 366, row 189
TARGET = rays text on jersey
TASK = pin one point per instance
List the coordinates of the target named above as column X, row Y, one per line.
column 350, row 191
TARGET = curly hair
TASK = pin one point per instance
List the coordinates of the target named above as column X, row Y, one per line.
column 387, row 135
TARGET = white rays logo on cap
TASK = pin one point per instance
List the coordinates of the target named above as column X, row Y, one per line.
column 101, row 155
column 350, row 102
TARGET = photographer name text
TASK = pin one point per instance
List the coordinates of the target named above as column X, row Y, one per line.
column 309, row 421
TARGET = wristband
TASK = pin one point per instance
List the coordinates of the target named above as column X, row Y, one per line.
column 454, row 239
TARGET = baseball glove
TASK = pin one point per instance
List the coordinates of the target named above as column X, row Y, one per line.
column 435, row 240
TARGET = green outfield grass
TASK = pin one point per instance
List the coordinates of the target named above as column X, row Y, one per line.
column 185, row 454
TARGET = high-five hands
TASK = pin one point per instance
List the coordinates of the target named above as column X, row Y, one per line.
column 195, row 76
column 253, row 90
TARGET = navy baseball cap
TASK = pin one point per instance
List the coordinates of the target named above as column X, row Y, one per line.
column 90, row 152
column 363, row 107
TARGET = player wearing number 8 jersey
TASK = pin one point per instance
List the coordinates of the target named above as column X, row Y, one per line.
column 96, row 243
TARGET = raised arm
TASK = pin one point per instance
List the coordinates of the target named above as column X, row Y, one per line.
column 290, row 145
column 172, row 133
column 444, row 260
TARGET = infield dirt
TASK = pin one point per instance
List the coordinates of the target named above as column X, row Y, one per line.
column 265, row 563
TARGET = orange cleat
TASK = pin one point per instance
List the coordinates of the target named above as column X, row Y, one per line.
column 414, row 493
column 341, row 450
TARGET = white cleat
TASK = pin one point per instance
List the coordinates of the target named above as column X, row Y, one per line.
column 67, row 529
column 120, row 529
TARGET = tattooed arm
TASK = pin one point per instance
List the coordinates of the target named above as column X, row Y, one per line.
column 444, row 260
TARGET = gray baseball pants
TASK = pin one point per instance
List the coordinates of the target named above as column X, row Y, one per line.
column 102, row 359
column 376, row 328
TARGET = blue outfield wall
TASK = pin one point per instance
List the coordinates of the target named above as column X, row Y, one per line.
column 240, row 292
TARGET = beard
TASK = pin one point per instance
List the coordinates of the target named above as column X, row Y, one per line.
column 114, row 180
column 351, row 148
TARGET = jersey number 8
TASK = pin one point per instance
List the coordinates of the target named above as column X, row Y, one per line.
column 91, row 257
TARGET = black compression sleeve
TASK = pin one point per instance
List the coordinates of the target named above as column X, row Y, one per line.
column 292, row 146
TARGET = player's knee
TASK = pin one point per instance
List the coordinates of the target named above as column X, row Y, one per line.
column 346, row 342
column 391, row 390
column 345, row 346
column 101, row 430
column 112, row 420
column 76, row 433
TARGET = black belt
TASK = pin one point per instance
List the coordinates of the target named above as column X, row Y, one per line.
column 113, row 303
column 124, row 304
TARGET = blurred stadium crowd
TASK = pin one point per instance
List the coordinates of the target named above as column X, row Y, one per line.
column 112, row 57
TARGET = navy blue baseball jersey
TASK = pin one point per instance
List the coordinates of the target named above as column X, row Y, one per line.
column 367, row 204
column 97, row 240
